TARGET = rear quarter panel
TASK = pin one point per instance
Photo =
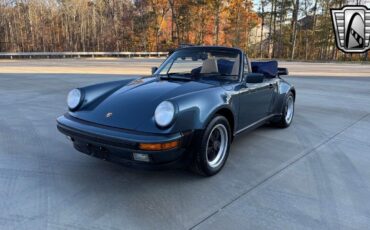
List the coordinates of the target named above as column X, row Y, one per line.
column 283, row 89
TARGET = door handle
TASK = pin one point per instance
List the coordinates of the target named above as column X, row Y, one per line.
column 271, row 86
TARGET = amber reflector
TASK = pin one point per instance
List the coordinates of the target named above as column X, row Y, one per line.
column 159, row 146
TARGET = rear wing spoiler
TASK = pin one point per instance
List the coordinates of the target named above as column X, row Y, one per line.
column 269, row 69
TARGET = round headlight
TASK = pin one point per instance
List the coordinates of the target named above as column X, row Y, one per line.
column 74, row 98
column 164, row 113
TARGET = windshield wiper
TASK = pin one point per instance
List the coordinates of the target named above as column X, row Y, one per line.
column 176, row 76
column 220, row 75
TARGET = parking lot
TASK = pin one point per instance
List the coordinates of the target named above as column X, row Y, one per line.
column 313, row 175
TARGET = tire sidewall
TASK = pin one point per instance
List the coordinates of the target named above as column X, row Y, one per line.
column 286, row 124
column 201, row 157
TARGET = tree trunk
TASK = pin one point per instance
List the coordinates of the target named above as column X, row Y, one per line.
column 314, row 26
column 274, row 38
column 294, row 27
column 366, row 56
column 262, row 25
column 217, row 21
column 270, row 30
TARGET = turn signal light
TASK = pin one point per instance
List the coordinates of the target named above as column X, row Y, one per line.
column 159, row 146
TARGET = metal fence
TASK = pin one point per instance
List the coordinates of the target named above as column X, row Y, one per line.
column 80, row 54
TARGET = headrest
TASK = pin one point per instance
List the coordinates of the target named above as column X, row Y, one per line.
column 209, row 66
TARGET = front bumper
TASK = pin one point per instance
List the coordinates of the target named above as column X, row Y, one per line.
column 119, row 145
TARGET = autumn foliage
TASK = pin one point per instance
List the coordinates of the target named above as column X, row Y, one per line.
column 122, row 25
column 285, row 29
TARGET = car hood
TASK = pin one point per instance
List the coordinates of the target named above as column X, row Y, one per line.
column 134, row 104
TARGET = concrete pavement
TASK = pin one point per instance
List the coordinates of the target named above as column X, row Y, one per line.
column 313, row 175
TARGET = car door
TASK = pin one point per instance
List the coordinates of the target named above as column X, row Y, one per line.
column 254, row 100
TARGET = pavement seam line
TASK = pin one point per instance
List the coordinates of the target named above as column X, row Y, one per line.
column 298, row 158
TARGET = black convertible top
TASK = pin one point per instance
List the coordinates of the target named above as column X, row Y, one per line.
column 221, row 48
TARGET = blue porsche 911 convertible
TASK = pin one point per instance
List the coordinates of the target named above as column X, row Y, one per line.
column 186, row 113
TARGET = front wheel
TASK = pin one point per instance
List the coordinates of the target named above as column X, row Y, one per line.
column 214, row 147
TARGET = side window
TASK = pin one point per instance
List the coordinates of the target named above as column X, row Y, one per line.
column 246, row 66
column 246, row 69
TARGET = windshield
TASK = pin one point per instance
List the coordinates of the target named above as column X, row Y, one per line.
column 206, row 63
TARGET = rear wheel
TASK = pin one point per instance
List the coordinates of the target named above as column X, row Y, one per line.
column 286, row 118
column 214, row 147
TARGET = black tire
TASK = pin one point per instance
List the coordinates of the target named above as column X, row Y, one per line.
column 202, row 162
column 282, row 121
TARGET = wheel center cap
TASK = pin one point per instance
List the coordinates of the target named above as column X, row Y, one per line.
column 216, row 144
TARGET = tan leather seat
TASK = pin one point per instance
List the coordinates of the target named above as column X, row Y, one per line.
column 209, row 66
column 235, row 70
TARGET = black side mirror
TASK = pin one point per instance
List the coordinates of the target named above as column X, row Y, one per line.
column 254, row 77
column 154, row 69
column 283, row 71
